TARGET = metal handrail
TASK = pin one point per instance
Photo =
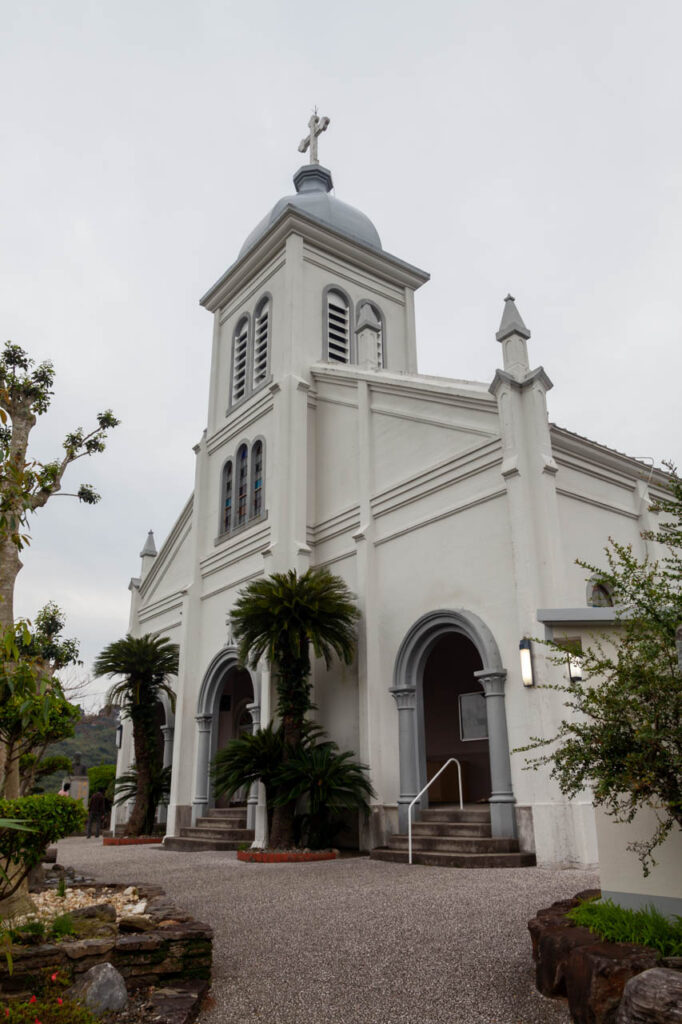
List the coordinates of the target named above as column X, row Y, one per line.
column 421, row 794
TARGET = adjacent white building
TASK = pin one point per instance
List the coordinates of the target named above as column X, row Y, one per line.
column 453, row 509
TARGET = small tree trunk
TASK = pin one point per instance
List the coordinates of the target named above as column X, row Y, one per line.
column 138, row 818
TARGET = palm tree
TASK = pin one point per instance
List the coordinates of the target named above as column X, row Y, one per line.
column 282, row 618
column 146, row 662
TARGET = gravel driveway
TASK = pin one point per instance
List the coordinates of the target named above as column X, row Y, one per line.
column 354, row 941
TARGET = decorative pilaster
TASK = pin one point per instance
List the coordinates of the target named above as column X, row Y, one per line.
column 167, row 731
column 261, row 813
column 502, row 816
column 406, row 699
column 200, row 802
column 252, row 800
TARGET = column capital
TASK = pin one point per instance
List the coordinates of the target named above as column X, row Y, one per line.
column 405, row 697
column 204, row 722
column 167, row 731
column 492, row 681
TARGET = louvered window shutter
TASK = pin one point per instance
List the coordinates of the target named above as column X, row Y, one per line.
column 260, row 347
column 240, row 352
column 338, row 328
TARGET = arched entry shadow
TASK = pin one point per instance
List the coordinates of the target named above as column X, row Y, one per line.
column 407, row 690
column 207, row 719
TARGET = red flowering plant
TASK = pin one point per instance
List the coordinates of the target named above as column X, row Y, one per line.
column 49, row 1008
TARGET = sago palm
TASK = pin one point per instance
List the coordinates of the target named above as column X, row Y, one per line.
column 284, row 617
column 146, row 663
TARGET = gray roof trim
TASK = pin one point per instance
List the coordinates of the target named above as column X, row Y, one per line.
column 567, row 441
column 578, row 616
column 292, row 220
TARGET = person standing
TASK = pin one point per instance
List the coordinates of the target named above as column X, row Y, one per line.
column 96, row 810
column 65, row 790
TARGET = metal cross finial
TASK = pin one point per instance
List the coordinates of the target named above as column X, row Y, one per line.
column 317, row 125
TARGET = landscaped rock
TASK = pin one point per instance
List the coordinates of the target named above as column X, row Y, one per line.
column 102, row 989
column 136, row 923
column 555, row 945
column 595, row 976
column 101, row 911
column 653, row 997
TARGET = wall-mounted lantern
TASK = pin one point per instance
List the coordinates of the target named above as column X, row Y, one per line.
column 526, row 662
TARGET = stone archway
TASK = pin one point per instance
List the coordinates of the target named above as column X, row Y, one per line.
column 407, row 690
column 208, row 719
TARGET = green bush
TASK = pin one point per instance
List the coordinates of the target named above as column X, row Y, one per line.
column 645, row 927
column 49, row 818
column 48, row 1011
column 101, row 776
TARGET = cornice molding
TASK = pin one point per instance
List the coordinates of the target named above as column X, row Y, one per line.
column 293, row 222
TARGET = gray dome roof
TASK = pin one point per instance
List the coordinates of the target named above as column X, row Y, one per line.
column 312, row 198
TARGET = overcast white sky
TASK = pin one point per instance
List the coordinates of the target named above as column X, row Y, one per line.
column 529, row 146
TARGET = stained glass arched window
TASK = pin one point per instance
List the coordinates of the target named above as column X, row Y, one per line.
column 242, row 485
column 227, row 498
column 257, row 480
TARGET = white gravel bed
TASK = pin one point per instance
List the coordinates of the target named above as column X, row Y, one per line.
column 354, row 941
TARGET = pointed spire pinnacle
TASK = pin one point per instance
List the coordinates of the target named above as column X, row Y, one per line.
column 511, row 322
column 149, row 546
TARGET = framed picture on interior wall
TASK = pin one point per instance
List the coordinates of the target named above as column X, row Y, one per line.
column 473, row 722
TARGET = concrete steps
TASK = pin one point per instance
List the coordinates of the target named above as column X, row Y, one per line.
column 448, row 837
column 222, row 828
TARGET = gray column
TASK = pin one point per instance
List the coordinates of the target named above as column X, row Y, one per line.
column 167, row 731
column 252, row 801
column 502, row 814
column 200, row 802
column 406, row 699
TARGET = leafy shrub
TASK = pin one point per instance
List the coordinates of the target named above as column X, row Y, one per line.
column 61, row 926
column 49, row 818
column 323, row 781
column 101, row 776
column 28, row 933
column 49, row 1010
column 645, row 927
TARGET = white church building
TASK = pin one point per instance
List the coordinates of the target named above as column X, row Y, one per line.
column 454, row 510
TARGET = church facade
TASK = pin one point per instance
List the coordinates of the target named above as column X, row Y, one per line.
column 454, row 510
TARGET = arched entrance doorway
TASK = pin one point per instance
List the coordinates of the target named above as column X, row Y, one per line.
column 439, row 635
column 234, row 719
column 225, row 708
column 455, row 723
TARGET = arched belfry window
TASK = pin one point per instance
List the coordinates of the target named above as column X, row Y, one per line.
column 226, row 524
column 261, row 342
column 257, row 480
column 240, row 355
column 338, row 327
column 242, row 485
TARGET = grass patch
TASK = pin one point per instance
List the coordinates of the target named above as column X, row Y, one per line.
column 61, row 926
column 645, row 927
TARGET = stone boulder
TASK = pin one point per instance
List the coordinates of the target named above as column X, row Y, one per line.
column 595, row 976
column 653, row 997
column 102, row 989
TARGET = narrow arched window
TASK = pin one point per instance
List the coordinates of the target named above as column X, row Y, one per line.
column 261, row 343
column 338, row 327
column 240, row 351
column 227, row 498
column 257, row 480
column 242, row 485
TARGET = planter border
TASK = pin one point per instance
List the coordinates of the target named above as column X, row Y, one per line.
column 285, row 856
column 131, row 840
